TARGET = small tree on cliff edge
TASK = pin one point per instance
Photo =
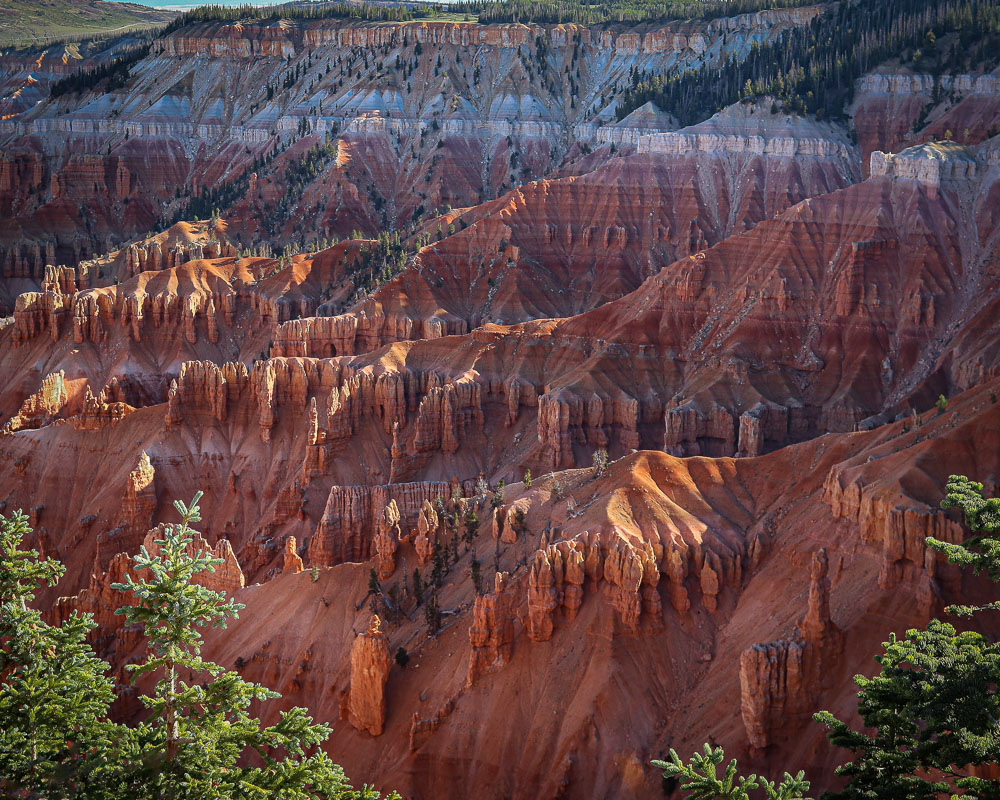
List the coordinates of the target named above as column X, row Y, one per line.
column 54, row 695
column 200, row 732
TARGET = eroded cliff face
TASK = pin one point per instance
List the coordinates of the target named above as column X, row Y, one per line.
column 783, row 680
column 734, row 351
column 895, row 110
column 420, row 124
column 662, row 574
column 753, row 332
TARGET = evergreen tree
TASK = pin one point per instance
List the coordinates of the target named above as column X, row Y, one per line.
column 471, row 521
column 703, row 781
column 476, row 571
column 497, row 500
column 432, row 614
column 814, row 68
column 418, row 587
column 935, row 706
column 54, row 699
column 981, row 552
column 439, row 564
column 200, row 742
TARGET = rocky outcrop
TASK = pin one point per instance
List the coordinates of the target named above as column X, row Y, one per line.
column 676, row 144
column 370, row 664
column 780, row 680
column 627, row 573
column 632, row 573
column 543, row 594
column 421, row 726
column 909, row 83
column 148, row 306
column 931, row 164
column 691, row 431
column 26, row 259
column 59, row 280
column 899, row 529
column 566, row 417
column 360, row 331
column 215, row 40
column 387, row 537
column 425, row 537
column 492, row 631
column 203, row 386
column 42, row 407
column 36, row 312
column 321, row 337
column 291, row 562
column 154, row 255
column 290, row 382
column 771, row 679
column 505, row 522
column 93, row 316
column 139, row 503
column 817, row 626
column 763, row 421
column 136, row 516
column 348, row 528
column 100, row 412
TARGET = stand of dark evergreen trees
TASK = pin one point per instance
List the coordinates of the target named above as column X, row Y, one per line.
column 362, row 11
column 609, row 11
column 114, row 73
column 490, row 11
column 813, row 68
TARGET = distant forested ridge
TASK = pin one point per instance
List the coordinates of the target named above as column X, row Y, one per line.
column 606, row 11
column 545, row 12
column 362, row 11
column 813, row 68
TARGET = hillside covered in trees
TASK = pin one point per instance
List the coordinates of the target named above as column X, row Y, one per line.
column 813, row 69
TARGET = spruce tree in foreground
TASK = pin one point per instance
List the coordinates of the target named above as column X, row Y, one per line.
column 934, row 712
column 200, row 742
column 702, row 780
column 55, row 737
column 981, row 552
column 935, row 706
